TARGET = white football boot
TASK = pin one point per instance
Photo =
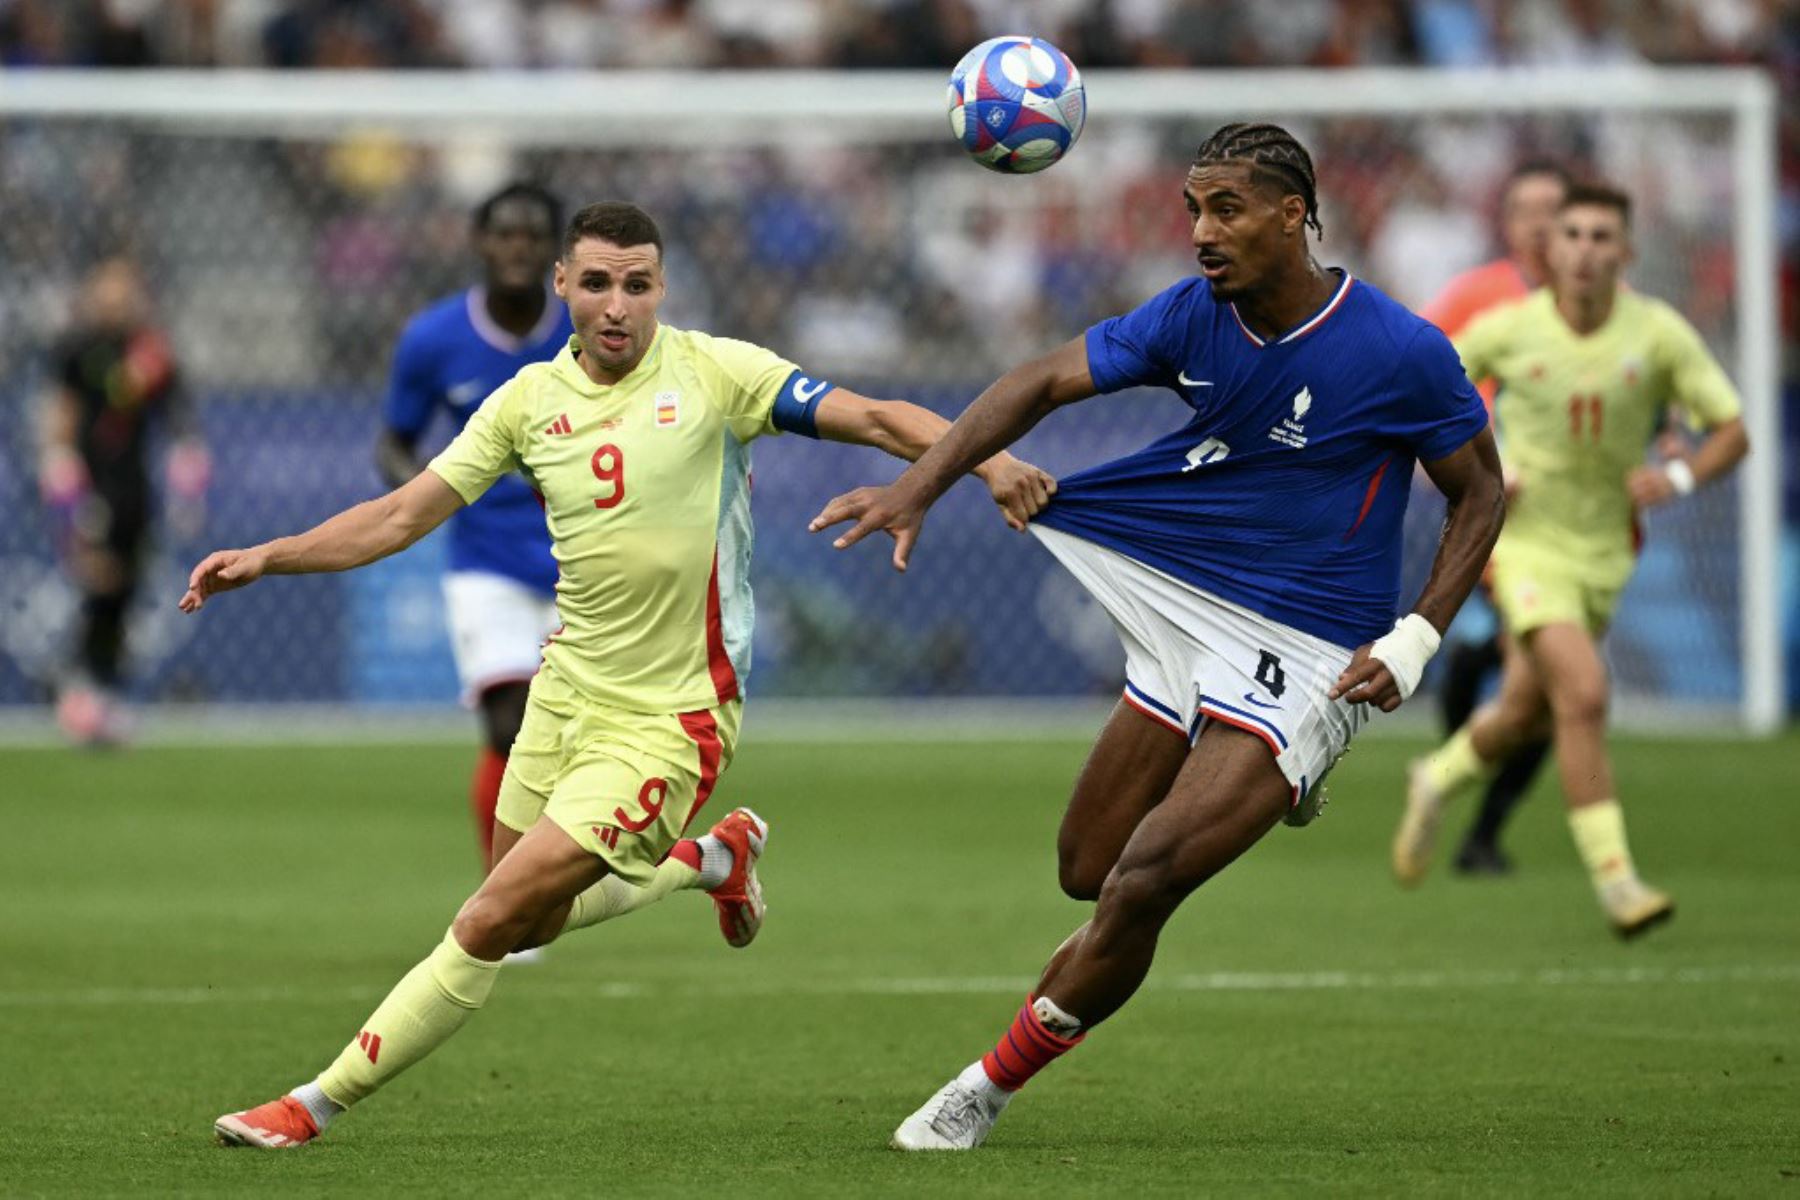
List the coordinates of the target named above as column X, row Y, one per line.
column 959, row 1117
column 1633, row 906
column 1416, row 839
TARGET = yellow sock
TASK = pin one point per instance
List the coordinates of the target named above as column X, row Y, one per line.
column 1599, row 831
column 1455, row 765
column 418, row 1016
column 613, row 897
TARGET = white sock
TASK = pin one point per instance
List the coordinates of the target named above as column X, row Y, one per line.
column 975, row 1078
column 716, row 861
column 321, row 1106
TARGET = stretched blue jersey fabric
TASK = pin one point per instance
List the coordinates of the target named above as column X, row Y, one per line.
column 1286, row 490
column 450, row 357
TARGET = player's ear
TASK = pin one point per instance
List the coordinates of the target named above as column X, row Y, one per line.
column 559, row 280
column 1293, row 215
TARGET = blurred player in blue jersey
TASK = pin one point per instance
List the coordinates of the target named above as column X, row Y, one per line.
column 500, row 590
column 1250, row 561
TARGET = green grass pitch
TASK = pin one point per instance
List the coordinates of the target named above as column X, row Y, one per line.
column 187, row 932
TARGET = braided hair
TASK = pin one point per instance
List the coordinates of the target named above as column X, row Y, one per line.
column 1269, row 149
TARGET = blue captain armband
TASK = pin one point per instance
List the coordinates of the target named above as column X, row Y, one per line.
column 797, row 405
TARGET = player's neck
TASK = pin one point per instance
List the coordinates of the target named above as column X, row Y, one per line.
column 1288, row 301
column 516, row 311
column 1584, row 314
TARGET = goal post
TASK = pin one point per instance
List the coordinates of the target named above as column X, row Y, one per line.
column 830, row 215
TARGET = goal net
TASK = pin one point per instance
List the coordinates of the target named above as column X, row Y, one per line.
column 290, row 224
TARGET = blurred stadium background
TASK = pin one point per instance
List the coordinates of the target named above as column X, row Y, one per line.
column 290, row 221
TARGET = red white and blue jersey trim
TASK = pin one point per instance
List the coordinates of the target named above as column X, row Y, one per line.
column 1216, row 710
column 1305, row 327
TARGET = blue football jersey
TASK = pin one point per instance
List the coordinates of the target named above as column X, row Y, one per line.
column 1286, row 490
column 449, row 358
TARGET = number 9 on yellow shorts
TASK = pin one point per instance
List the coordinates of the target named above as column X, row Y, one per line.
column 624, row 785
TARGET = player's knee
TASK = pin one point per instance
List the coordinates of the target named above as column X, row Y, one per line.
column 1081, row 876
column 489, row 926
column 1081, row 866
column 1583, row 703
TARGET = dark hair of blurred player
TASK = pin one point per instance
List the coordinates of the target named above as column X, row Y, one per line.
column 114, row 376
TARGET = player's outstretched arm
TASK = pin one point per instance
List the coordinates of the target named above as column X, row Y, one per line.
column 908, row 431
column 1386, row 671
column 999, row 416
column 373, row 529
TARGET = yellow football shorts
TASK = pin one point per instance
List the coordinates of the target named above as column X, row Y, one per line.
column 1534, row 588
column 625, row 785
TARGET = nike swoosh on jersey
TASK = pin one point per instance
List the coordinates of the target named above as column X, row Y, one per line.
column 466, row 392
column 1181, row 377
column 1259, row 703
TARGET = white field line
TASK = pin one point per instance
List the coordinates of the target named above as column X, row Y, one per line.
column 1213, row 981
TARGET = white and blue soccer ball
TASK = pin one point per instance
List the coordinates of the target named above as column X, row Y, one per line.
column 1016, row 104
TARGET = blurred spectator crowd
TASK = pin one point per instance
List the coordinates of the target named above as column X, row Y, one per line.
column 853, row 259
column 884, row 33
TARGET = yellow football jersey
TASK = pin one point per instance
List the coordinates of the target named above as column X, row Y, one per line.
column 645, row 485
column 1575, row 414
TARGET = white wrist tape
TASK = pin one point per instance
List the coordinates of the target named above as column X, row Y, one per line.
column 1405, row 650
column 1681, row 476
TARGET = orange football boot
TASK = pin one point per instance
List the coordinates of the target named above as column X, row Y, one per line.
column 277, row 1125
column 739, row 899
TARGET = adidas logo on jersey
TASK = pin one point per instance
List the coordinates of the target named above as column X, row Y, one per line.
column 560, row 426
column 1292, row 430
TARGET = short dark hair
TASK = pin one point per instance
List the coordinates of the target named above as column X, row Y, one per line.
column 1269, row 149
column 1598, row 195
column 613, row 221
column 1535, row 168
column 1532, row 168
column 519, row 190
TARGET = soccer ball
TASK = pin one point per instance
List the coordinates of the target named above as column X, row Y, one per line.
column 1016, row 104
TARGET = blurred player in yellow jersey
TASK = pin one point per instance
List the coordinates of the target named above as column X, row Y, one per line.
column 1586, row 369
column 636, row 436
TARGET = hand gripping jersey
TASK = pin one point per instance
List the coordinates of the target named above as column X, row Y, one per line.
column 1575, row 414
column 1285, row 491
column 450, row 357
column 646, row 491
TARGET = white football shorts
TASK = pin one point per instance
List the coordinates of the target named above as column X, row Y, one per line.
column 1191, row 658
column 498, row 627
